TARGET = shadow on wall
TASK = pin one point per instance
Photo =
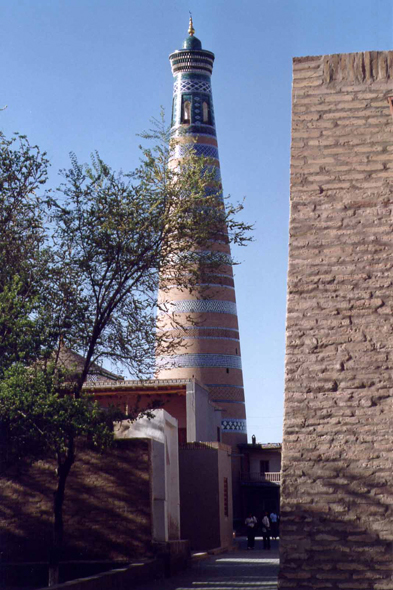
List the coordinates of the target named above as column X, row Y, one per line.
column 336, row 528
column 106, row 509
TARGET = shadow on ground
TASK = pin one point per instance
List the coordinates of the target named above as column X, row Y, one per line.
column 238, row 570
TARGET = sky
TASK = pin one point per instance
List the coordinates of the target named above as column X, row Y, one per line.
column 85, row 75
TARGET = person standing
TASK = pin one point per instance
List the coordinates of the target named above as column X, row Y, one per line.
column 266, row 531
column 251, row 524
column 274, row 524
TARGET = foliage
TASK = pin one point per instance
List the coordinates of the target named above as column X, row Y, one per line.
column 117, row 235
column 81, row 268
column 40, row 418
column 25, row 332
column 23, row 171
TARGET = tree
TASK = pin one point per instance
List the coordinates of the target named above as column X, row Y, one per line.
column 40, row 419
column 113, row 236
column 24, row 327
column 118, row 234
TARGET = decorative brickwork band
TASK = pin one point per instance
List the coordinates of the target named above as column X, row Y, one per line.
column 229, row 361
column 214, row 331
column 234, row 425
column 219, row 280
column 209, row 285
column 200, row 306
column 226, row 393
column 192, row 61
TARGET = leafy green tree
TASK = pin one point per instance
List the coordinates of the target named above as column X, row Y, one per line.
column 118, row 235
column 113, row 237
column 24, row 327
column 39, row 419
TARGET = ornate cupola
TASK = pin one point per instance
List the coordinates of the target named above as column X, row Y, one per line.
column 192, row 58
column 211, row 352
column 192, row 67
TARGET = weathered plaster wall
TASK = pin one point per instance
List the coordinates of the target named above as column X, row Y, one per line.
column 204, row 520
column 162, row 430
column 337, row 489
column 106, row 509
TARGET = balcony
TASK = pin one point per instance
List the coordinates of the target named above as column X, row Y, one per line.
column 256, row 476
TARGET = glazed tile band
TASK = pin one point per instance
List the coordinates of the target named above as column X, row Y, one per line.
column 227, row 361
column 234, row 425
column 186, row 85
column 199, row 306
column 199, row 149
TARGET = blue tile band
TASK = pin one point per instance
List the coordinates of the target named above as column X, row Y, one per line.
column 227, row 361
column 197, row 85
column 212, row 285
column 208, row 151
column 202, row 328
column 214, row 255
column 234, row 425
column 200, row 306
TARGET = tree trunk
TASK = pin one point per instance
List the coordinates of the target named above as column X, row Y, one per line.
column 63, row 470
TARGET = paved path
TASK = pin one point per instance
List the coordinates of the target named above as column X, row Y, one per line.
column 240, row 570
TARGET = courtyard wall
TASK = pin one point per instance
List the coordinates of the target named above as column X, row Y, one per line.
column 107, row 514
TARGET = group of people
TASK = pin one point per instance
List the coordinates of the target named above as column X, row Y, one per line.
column 268, row 526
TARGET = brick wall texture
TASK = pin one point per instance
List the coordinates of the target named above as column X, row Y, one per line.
column 106, row 508
column 337, row 490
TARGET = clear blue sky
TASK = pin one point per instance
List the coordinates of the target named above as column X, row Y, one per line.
column 81, row 75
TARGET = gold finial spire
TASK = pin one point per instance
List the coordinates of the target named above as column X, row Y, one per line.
column 191, row 29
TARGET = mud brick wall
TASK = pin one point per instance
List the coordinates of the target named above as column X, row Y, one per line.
column 337, row 490
column 106, row 509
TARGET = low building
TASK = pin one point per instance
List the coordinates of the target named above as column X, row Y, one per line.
column 260, row 478
column 185, row 399
column 187, row 449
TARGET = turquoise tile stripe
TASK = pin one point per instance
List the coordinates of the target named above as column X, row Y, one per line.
column 228, row 361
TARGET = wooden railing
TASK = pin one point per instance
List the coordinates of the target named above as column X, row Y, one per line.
column 272, row 476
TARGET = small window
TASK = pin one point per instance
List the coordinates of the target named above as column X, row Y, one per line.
column 186, row 112
column 173, row 111
column 227, row 370
column 205, row 112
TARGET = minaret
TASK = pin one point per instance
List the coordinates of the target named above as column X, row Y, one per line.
column 212, row 347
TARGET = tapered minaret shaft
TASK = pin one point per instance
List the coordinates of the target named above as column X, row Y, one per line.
column 212, row 347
